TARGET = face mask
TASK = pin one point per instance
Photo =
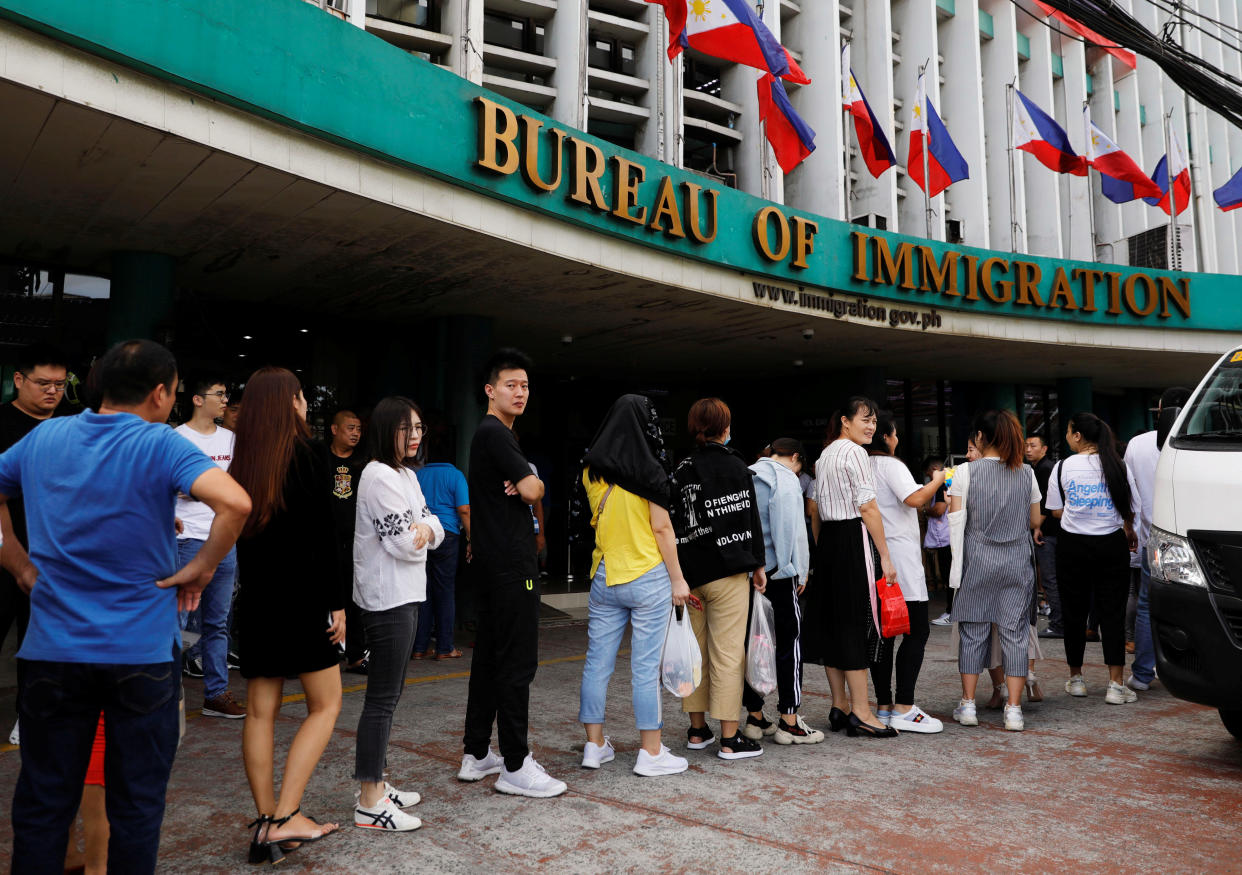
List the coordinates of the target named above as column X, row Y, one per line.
column 728, row 440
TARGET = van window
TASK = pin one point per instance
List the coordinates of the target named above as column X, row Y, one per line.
column 1214, row 420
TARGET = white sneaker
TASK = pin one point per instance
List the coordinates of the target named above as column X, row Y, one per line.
column 1119, row 695
column 1132, row 682
column 476, row 770
column 799, row 733
column 916, row 720
column 530, row 780
column 400, row 798
column 1076, row 686
column 965, row 714
column 15, row 737
column 943, row 620
column 595, row 755
column 385, row 816
column 667, row 763
column 1014, row 721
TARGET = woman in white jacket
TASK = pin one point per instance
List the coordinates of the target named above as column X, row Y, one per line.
column 393, row 531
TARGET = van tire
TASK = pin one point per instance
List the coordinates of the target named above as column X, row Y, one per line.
column 1233, row 721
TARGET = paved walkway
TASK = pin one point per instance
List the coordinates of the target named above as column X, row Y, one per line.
column 1154, row 786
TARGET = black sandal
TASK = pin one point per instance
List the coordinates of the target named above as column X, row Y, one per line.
column 258, row 849
column 292, row 843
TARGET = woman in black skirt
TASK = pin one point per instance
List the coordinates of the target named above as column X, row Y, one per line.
column 843, row 616
column 291, row 616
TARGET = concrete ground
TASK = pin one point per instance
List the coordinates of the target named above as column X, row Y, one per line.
column 1153, row 786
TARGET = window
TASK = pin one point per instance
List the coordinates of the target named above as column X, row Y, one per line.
column 419, row 13
column 519, row 34
column 714, row 159
column 606, row 53
column 1214, row 420
column 700, row 76
column 617, row 133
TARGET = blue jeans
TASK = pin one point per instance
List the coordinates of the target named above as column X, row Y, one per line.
column 440, row 609
column 60, row 706
column 1144, row 666
column 644, row 604
column 211, row 617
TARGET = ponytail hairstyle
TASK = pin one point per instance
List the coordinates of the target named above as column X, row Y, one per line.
column 885, row 424
column 1096, row 431
column 709, row 419
column 852, row 407
column 1002, row 433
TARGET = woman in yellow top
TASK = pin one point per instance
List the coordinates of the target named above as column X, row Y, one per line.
column 635, row 577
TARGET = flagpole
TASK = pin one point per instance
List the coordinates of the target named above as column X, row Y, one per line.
column 927, row 212
column 847, row 117
column 1175, row 247
column 1086, row 121
column 1013, row 178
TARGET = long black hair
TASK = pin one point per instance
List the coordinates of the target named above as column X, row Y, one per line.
column 851, row 408
column 885, row 424
column 1096, row 431
column 391, row 414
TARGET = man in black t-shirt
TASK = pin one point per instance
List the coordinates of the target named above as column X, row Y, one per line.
column 40, row 378
column 346, row 461
column 1046, row 553
column 506, row 650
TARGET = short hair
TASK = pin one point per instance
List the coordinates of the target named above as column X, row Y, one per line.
column 203, row 382
column 30, row 357
column 708, row 418
column 932, row 460
column 507, row 359
column 1174, row 396
column 131, row 369
column 343, row 412
column 389, row 415
column 786, row 447
column 1038, row 437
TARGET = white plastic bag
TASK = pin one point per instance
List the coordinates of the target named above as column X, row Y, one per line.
column 681, row 662
column 761, row 646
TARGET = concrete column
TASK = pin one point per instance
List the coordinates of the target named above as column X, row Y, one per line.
column 1108, row 225
column 463, row 21
column 1129, row 136
column 566, row 40
column 659, row 137
column 818, row 183
column 915, row 20
column 999, row 57
column 1077, row 227
column 141, row 298
column 738, row 85
column 872, row 52
column 1043, row 195
column 962, row 102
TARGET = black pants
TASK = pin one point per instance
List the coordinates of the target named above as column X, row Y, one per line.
column 909, row 660
column 944, row 565
column 14, row 608
column 391, row 634
column 506, row 654
column 1094, row 566
column 787, row 615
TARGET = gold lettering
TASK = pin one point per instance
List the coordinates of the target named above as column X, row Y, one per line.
column 1029, row 276
column 587, row 166
column 1180, row 297
column 693, row 221
column 626, row 181
column 860, row 255
column 763, row 238
column 985, row 278
column 890, row 269
column 530, row 154
column 942, row 277
column 1153, row 295
column 1061, row 290
column 1114, row 294
column 972, row 277
column 1089, row 279
column 804, row 240
column 492, row 136
column 666, row 208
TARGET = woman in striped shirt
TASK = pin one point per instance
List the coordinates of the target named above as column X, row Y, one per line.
column 842, row 612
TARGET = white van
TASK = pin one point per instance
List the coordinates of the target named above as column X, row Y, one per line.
column 1195, row 548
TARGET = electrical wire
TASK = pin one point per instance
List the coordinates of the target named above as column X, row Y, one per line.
column 1173, row 10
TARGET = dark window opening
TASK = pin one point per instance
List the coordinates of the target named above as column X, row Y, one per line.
column 700, row 76
column 419, row 13
column 607, row 53
column 617, row 133
column 710, row 157
column 519, row 34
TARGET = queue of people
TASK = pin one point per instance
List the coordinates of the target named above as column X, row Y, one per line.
column 313, row 580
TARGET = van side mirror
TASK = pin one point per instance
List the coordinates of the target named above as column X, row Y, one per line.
column 1164, row 424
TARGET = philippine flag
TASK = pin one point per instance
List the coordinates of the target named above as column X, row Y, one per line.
column 791, row 138
column 1229, row 196
column 1180, row 174
column 1035, row 131
column 1121, row 180
column 945, row 165
column 872, row 143
column 730, row 30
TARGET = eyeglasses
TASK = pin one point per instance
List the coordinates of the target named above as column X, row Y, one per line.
column 419, row 429
column 223, row 396
column 45, row 385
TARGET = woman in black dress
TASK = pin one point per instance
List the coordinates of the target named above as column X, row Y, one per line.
column 290, row 612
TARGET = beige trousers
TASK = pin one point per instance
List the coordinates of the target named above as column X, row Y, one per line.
column 720, row 629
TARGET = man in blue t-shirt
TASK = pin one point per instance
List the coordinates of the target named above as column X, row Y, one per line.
column 448, row 496
column 104, row 592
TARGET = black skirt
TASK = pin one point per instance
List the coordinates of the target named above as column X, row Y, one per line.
column 839, row 630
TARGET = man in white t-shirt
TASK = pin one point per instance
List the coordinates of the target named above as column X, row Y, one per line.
column 1142, row 454
column 210, row 397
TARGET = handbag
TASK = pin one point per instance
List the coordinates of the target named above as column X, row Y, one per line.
column 894, row 615
column 957, row 526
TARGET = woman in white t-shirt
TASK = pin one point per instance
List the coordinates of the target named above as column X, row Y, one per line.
column 1095, row 498
column 899, row 498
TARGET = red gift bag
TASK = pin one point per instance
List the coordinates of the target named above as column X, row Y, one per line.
column 894, row 617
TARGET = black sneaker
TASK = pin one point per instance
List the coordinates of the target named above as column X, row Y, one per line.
column 756, row 728
column 191, row 666
column 697, row 739
column 233, row 660
column 739, row 748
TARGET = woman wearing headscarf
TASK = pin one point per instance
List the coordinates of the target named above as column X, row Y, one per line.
column 635, row 577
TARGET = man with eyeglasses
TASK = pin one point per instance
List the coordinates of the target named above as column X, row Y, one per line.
column 40, row 378
column 209, row 396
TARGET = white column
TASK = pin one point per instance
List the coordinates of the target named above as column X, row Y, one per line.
column 963, row 102
column 1108, row 224
column 566, row 40
column 738, row 85
column 1230, row 223
column 463, row 21
column 1130, row 139
column 659, row 137
column 1077, row 227
column 1150, row 92
column 358, row 13
column 818, row 183
column 915, row 20
column 1198, row 145
column 999, row 57
column 1043, row 194
column 872, row 58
